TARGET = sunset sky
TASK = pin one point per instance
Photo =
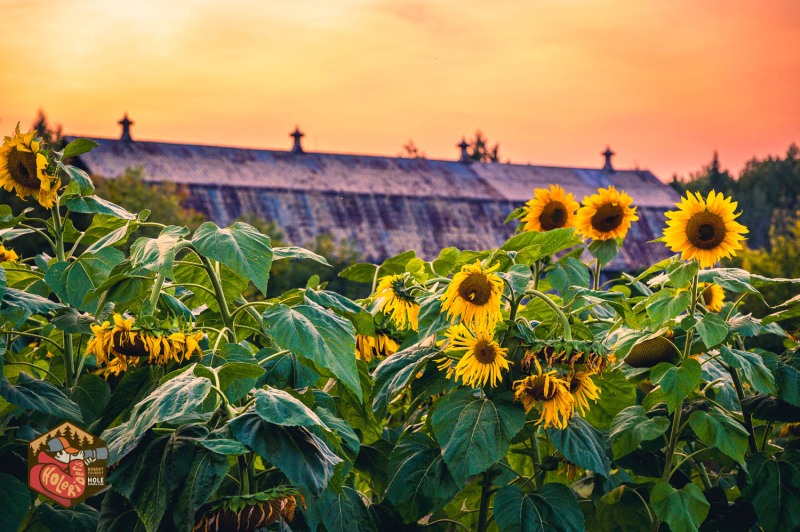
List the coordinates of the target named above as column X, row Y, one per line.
column 665, row 83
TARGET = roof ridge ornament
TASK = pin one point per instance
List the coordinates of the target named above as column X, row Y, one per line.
column 297, row 147
column 465, row 156
column 126, row 124
column 608, row 154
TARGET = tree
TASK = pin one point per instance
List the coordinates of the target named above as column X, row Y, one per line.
column 410, row 151
column 481, row 152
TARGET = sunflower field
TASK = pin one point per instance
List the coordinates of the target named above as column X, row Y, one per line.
column 518, row 388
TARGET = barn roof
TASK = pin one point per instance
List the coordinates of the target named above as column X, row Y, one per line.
column 385, row 205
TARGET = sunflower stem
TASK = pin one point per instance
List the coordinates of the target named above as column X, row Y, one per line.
column 219, row 294
column 155, row 292
column 486, row 494
column 747, row 418
column 556, row 309
column 597, row 269
column 69, row 355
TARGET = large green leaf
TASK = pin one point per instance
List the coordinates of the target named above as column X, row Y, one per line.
column 545, row 244
column 774, row 490
column 240, row 247
column 616, row 394
column 191, row 271
column 419, row 481
column 474, row 432
column 582, row 445
column 179, row 396
column 39, row 395
column 395, row 373
column 282, row 408
column 158, row 254
column 712, row 329
column 787, row 380
column 316, row 334
column 752, row 365
column 631, row 427
column 683, row 510
column 717, row 430
column 96, row 205
column 236, row 379
column 771, row 408
column 676, row 381
column 295, row 253
column 339, row 512
column 31, row 303
column 135, row 384
column 77, row 519
column 73, row 281
column 552, row 508
column 665, row 305
column 303, row 457
column 78, row 147
column 92, row 394
column 15, row 499
column 206, row 473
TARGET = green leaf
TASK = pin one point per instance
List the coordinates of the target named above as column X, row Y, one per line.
column 96, row 205
column 135, row 384
column 225, row 447
column 295, row 253
column 605, row 250
column 362, row 272
column 631, row 427
column 91, row 393
column 78, row 147
column 236, row 379
column 282, row 408
column 474, row 432
column 396, row 264
column 664, row 305
column 752, row 365
column 39, row 395
column 581, row 444
column 683, row 510
column 240, row 247
column 78, row 519
column 74, row 281
column 179, row 396
column 446, row 260
column 774, row 490
column 304, row 458
column 13, row 298
column 192, row 272
column 732, row 279
column 771, row 408
column 81, row 179
column 616, row 394
column 71, row 320
column 328, row 299
column 339, row 512
column 419, row 481
column 682, row 273
column 676, row 381
column 518, row 277
column 158, row 254
column 717, row 430
column 548, row 242
column 787, row 380
column 324, row 338
column 712, row 329
column 206, row 473
column 551, row 508
column 14, row 502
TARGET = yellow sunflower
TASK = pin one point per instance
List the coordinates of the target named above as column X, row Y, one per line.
column 550, row 393
column 549, row 209
column 23, row 166
column 7, row 255
column 369, row 347
column 396, row 301
column 713, row 295
column 704, row 229
column 606, row 215
column 474, row 296
column 483, row 359
column 583, row 390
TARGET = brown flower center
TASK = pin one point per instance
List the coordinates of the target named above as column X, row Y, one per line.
column 554, row 215
column 22, row 167
column 476, row 289
column 536, row 388
column 575, row 384
column 708, row 296
column 123, row 345
column 485, row 352
column 608, row 217
column 705, row 230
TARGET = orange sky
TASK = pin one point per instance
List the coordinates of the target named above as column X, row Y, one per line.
column 665, row 83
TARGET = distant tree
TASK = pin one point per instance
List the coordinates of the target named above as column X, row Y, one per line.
column 410, row 151
column 53, row 136
column 710, row 177
column 481, row 150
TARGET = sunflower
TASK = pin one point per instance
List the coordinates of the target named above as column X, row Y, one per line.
column 606, row 215
column 396, row 301
column 7, row 255
column 650, row 352
column 549, row 209
column 369, row 347
column 704, row 229
column 23, row 166
column 583, row 390
column 474, row 296
column 713, row 295
column 483, row 358
column 550, row 393
column 251, row 512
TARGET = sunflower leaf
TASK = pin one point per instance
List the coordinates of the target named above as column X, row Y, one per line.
column 676, row 381
column 683, row 510
column 553, row 507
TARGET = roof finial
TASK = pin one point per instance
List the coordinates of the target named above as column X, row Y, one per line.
column 126, row 124
column 465, row 157
column 608, row 154
column 297, row 148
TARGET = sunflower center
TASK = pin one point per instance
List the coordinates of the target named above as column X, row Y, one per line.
column 22, row 167
column 127, row 347
column 554, row 215
column 705, row 230
column 485, row 352
column 536, row 389
column 708, row 296
column 476, row 289
column 400, row 291
column 608, row 217
column 574, row 385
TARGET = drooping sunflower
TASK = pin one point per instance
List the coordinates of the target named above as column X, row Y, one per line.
column 606, row 215
column 704, row 229
column 550, row 394
column 583, row 390
column 8, row 255
column 650, row 352
column 369, row 347
column 396, row 301
column 713, row 296
column 549, row 209
column 250, row 512
column 483, row 359
column 23, row 169
column 474, row 296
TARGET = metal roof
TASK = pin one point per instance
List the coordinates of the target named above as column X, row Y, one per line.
column 385, row 205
